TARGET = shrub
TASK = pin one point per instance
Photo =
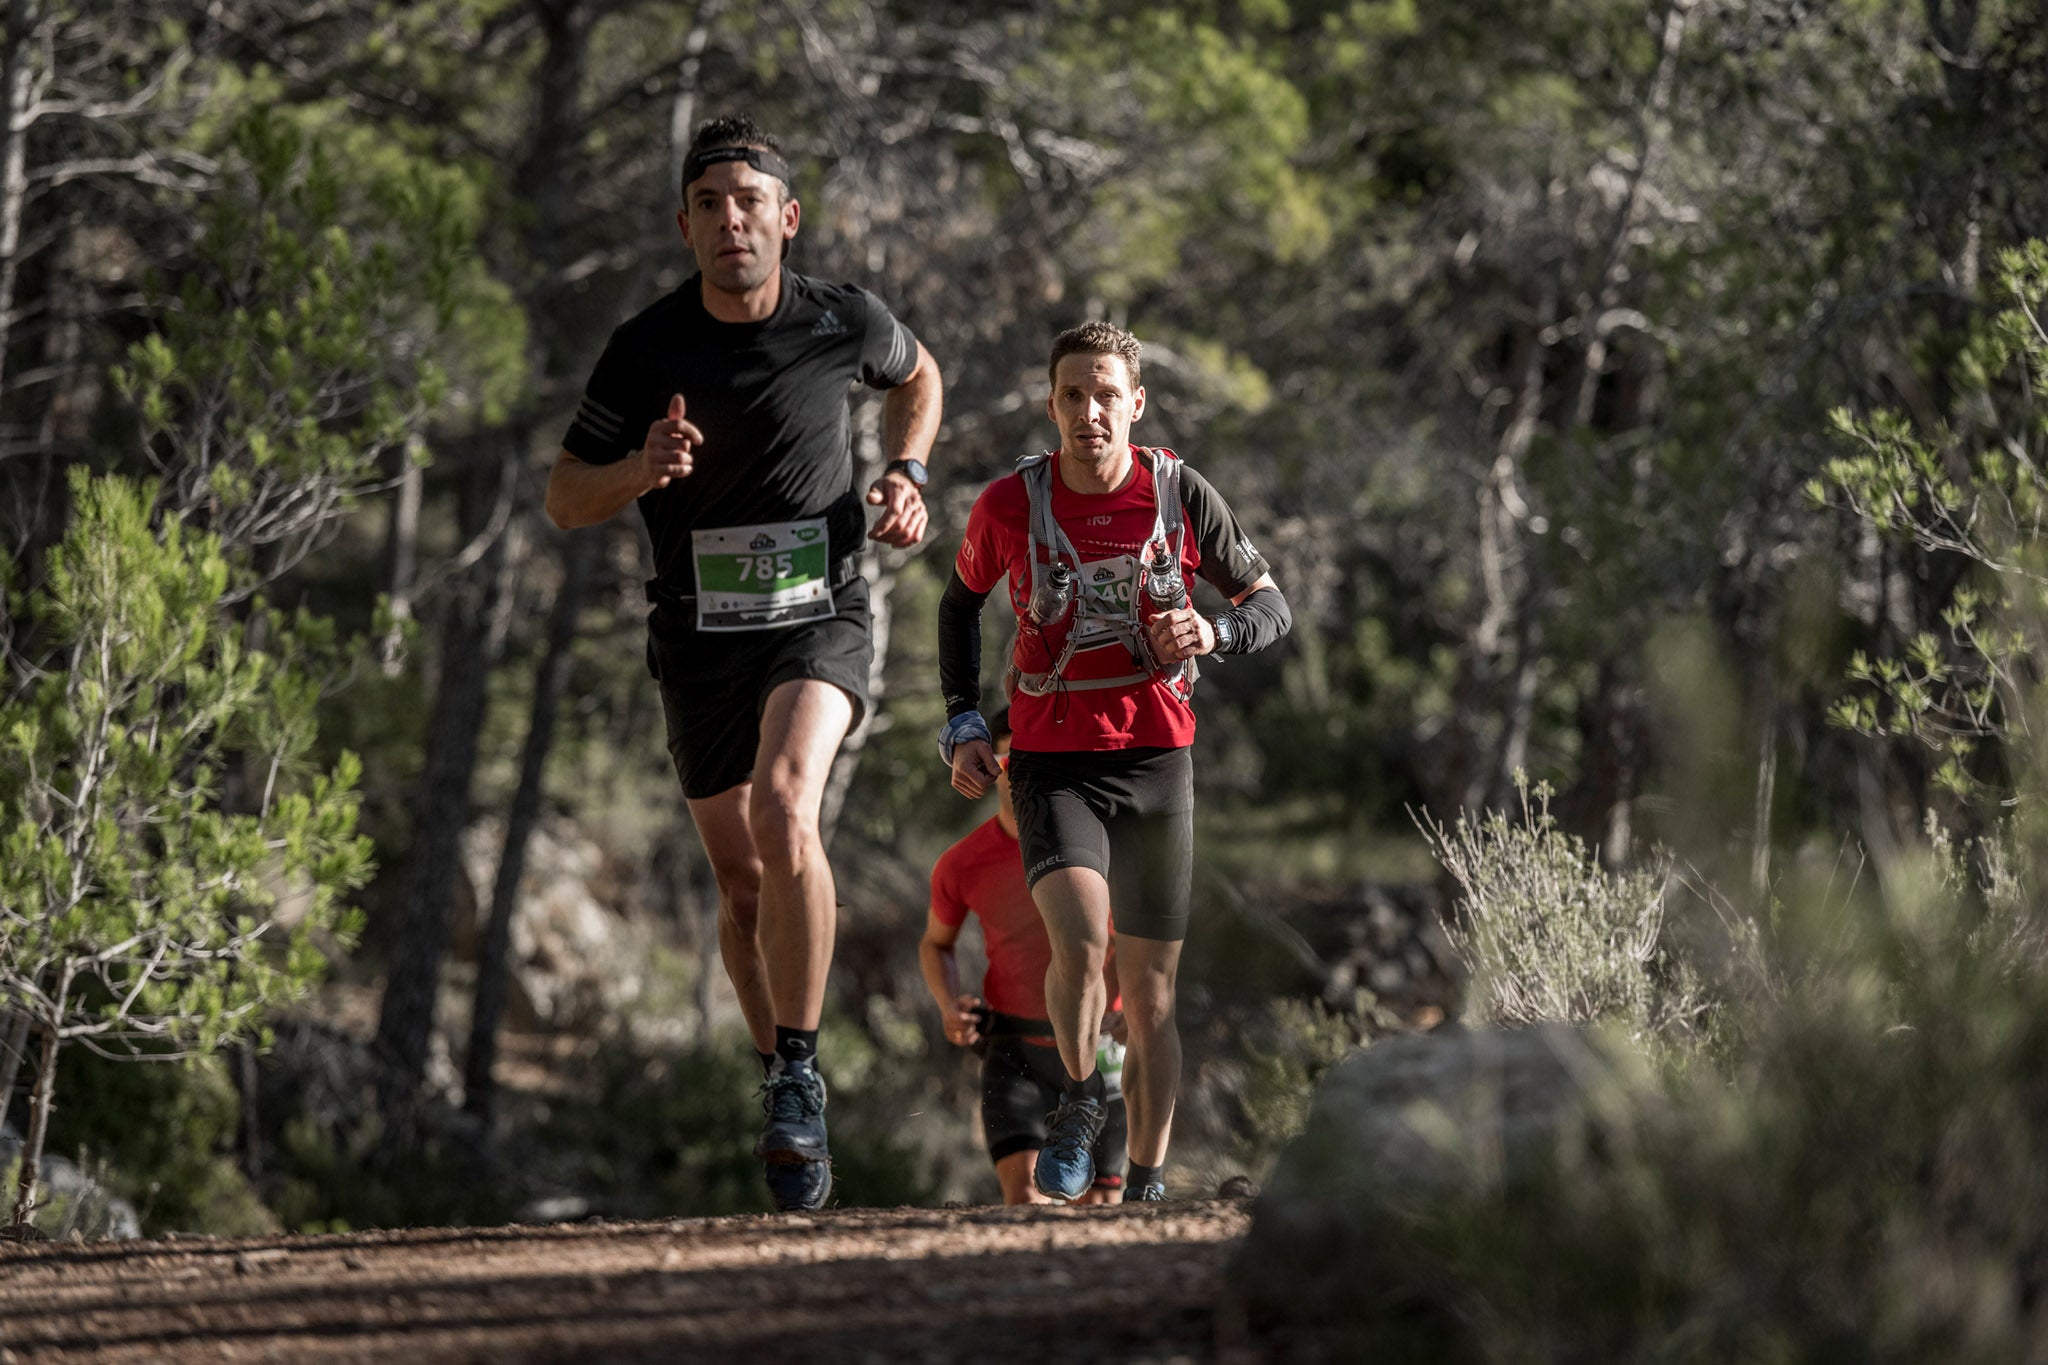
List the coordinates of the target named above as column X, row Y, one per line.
column 1287, row 1048
column 1547, row 935
column 162, row 1137
column 1865, row 1177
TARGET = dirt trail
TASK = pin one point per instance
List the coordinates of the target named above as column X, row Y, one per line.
column 972, row 1284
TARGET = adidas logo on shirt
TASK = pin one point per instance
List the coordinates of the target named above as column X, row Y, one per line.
column 828, row 326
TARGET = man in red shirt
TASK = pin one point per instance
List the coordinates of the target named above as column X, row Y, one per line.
column 1098, row 540
column 1021, row 1073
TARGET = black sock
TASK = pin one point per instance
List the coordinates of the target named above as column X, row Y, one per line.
column 794, row 1045
column 767, row 1061
column 1141, row 1176
column 1091, row 1089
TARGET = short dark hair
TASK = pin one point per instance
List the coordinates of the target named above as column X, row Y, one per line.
column 734, row 130
column 1094, row 338
column 999, row 725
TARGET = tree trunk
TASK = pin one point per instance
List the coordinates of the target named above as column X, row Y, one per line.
column 23, row 19
column 472, row 635
column 39, row 1106
column 1486, row 676
column 578, row 551
column 242, row 1057
column 14, row 1027
column 401, row 555
column 1518, row 717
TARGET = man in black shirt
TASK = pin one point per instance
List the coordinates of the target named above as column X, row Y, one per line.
column 722, row 410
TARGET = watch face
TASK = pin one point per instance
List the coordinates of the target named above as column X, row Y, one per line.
column 912, row 470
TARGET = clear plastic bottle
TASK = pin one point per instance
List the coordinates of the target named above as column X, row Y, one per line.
column 1164, row 585
column 1055, row 593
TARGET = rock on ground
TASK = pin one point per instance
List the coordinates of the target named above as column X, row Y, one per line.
column 1413, row 1124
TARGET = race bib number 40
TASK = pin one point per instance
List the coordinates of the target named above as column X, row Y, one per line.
column 1107, row 588
column 756, row 577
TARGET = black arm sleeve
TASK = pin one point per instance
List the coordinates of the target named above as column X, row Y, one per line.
column 1258, row 621
column 1229, row 560
column 960, row 647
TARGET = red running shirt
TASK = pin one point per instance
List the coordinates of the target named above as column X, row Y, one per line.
column 983, row 875
column 1107, row 529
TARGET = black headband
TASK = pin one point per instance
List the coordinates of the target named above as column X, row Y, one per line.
column 766, row 162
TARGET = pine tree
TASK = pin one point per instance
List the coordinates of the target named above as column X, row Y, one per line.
column 139, row 914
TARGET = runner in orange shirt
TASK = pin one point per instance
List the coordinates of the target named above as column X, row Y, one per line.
column 1021, row 1073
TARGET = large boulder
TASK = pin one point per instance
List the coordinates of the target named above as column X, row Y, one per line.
column 1415, row 1128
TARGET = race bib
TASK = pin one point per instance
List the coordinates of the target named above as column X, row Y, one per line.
column 762, row 577
column 1107, row 586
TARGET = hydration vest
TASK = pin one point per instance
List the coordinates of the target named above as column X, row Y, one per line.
column 1088, row 623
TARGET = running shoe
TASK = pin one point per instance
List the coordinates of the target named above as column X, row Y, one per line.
column 1066, row 1164
column 792, row 1144
column 1151, row 1193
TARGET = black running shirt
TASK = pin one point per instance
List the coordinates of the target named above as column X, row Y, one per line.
column 770, row 398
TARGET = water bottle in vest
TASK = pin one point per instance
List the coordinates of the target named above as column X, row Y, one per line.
column 1164, row 585
column 1109, row 1060
column 1054, row 595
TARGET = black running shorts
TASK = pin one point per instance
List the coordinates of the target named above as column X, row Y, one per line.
column 1020, row 1087
column 714, row 684
column 1127, row 813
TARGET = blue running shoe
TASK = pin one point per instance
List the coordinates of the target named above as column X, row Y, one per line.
column 792, row 1144
column 1066, row 1164
column 1151, row 1193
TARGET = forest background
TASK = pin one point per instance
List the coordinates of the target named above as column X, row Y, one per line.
column 1536, row 344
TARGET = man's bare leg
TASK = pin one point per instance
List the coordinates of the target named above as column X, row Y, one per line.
column 1147, row 969
column 1013, row 1173
column 1074, row 903
column 801, row 729
column 722, row 825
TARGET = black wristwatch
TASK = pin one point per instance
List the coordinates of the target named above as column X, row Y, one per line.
column 1220, row 623
column 912, row 470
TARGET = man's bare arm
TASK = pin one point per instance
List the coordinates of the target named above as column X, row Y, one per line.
column 910, row 422
column 583, row 494
column 941, row 966
column 910, row 411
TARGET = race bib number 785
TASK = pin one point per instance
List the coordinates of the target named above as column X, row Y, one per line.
column 766, row 576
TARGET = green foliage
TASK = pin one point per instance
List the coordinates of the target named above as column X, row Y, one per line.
column 1287, row 1050
column 164, row 1135
column 1208, row 126
column 326, row 1179
column 335, row 302
column 171, row 863
column 121, row 859
column 1974, row 488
